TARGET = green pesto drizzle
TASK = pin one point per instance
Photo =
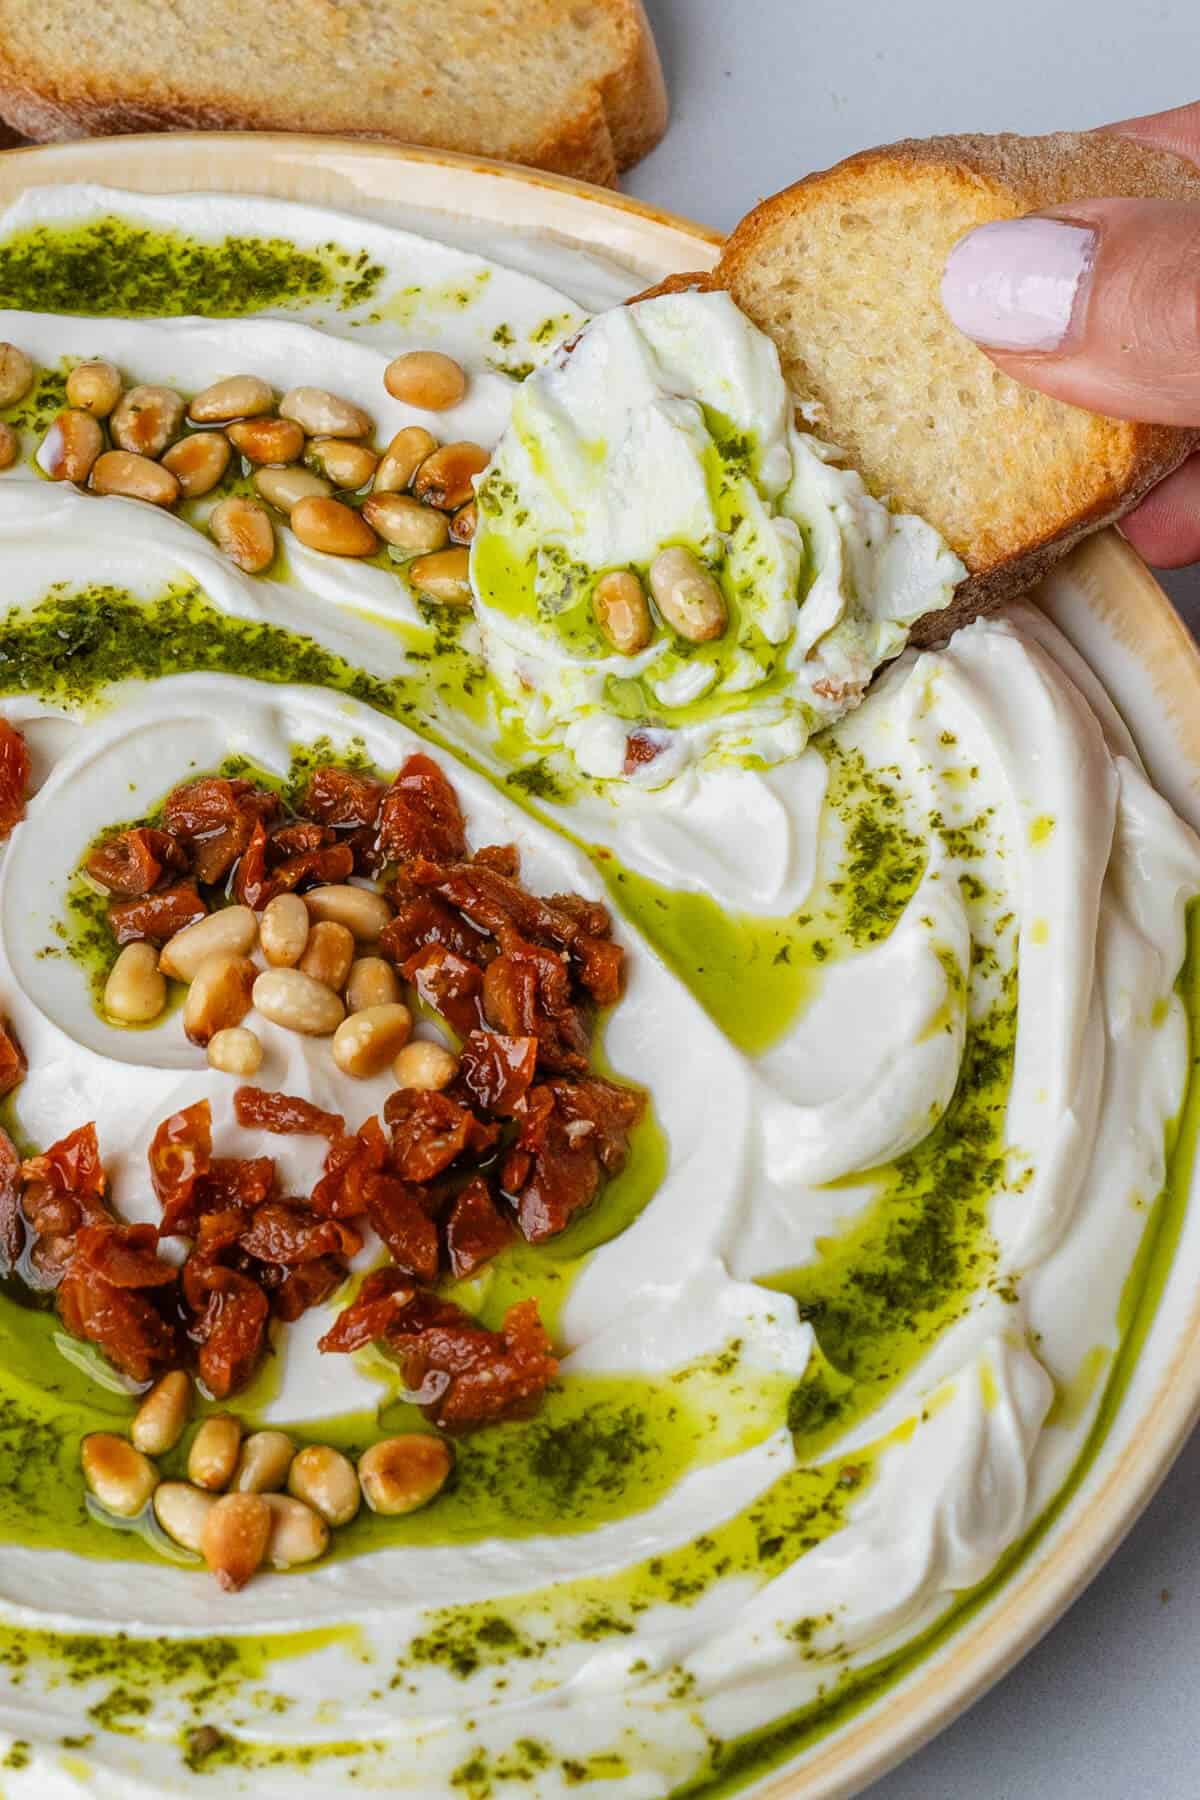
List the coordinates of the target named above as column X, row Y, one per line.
column 731, row 1765
column 109, row 267
column 754, row 976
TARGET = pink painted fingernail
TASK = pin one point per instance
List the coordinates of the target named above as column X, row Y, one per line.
column 1014, row 285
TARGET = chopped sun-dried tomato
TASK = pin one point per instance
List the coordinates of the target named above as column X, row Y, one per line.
column 72, row 1166
column 493, row 1375
column 424, row 919
column 496, row 902
column 398, row 1219
column 420, row 815
column 332, row 863
column 252, row 886
column 496, row 1070
column 339, row 797
column 573, row 1134
column 295, row 838
column 219, row 1229
column 157, row 916
column 241, row 1181
column 285, row 1113
column 229, row 1325
column 180, row 1155
column 282, row 1232
column 213, row 817
column 132, row 862
column 505, row 859
column 12, row 1062
column 447, row 983
column 429, row 1130
column 641, row 748
column 382, row 1298
column 12, row 1227
column 341, row 1192
column 125, row 1255
column 14, row 776
column 476, row 1229
column 126, row 1325
column 527, row 993
column 308, row 1284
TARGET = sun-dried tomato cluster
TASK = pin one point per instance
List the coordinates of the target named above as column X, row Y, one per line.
column 521, row 1141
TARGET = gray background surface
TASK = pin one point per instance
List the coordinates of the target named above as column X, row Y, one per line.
column 763, row 91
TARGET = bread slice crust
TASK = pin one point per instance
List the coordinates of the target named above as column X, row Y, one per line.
column 587, row 72
column 842, row 270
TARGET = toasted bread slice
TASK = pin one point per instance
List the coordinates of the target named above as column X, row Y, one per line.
column 842, row 271
column 569, row 85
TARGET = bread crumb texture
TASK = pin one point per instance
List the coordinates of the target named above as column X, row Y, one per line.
column 843, row 271
column 568, row 85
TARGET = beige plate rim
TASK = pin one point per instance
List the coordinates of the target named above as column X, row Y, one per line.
column 1103, row 595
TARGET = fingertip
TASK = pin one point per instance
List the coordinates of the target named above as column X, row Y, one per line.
column 1164, row 528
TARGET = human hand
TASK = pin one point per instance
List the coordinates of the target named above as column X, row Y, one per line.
column 1098, row 303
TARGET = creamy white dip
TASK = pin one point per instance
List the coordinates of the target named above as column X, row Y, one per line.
column 1042, row 869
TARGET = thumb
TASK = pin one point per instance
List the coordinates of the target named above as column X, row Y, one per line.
column 1097, row 303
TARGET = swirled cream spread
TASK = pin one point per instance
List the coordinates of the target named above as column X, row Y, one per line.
column 905, row 999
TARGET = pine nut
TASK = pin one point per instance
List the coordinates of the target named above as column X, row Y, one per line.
column 235, row 1537
column 120, row 1477
column 264, row 1462
column 298, row 1534
column 371, row 982
column 402, row 1473
column 619, row 603
column 159, row 1421
column 283, row 930
column 136, row 477
column 235, row 1051
column 243, row 530
column 214, row 1452
column 94, row 387
column 70, row 447
column 446, row 478
column 328, row 954
column 427, row 379
column 334, row 527
column 276, row 441
column 198, row 462
column 290, row 998
column 135, row 992
column 465, row 523
column 16, row 374
column 322, row 414
column 182, row 1511
column 402, row 458
column 325, row 1480
column 10, row 445
column 229, row 932
column 218, row 997
column 444, row 577
column 146, row 419
column 403, row 521
column 285, row 488
column 360, row 910
column 348, row 465
column 366, row 1042
column 424, row 1064
column 237, row 397
column 687, row 596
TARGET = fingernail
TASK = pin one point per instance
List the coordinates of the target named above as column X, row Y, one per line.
column 1014, row 285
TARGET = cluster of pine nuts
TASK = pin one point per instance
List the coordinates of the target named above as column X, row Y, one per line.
column 232, row 1509
column 418, row 496
column 322, row 979
column 685, row 593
